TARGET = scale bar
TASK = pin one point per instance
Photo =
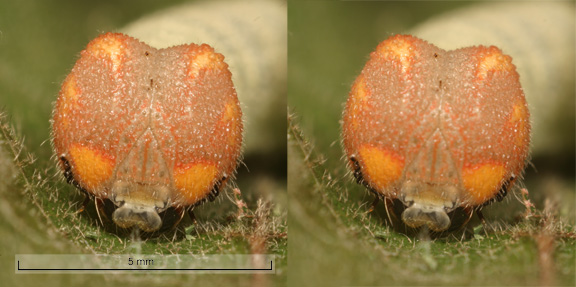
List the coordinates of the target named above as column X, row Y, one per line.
column 102, row 263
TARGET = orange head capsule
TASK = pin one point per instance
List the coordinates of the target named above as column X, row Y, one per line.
column 148, row 129
column 436, row 130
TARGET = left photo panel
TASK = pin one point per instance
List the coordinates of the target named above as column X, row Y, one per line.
column 143, row 140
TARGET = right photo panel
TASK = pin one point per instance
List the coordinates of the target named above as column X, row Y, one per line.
column 431, row 143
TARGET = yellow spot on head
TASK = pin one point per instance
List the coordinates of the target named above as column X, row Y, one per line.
column 232, row 120
column 109, row 46
column 69, row 89
column 380, row 167
column 518, row 113
column 91, row 167
column 357, row 101
column 68, row 101
column 483, row 181
column 231, row 112
column 519, row 120
column 359, row 92
column 493, row 61
column 398, row 48
column 195, row 181
column 204, row 58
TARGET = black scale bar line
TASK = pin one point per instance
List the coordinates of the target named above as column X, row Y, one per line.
column 130, row 269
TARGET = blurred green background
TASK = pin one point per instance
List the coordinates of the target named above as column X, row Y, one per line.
column 39, row 43
column 332, row 234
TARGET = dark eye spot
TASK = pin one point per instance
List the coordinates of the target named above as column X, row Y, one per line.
column 151, row 86
column 69, row 175
column 504, row 189
column 67, row 169
column 216, row 189
column 357, row 170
